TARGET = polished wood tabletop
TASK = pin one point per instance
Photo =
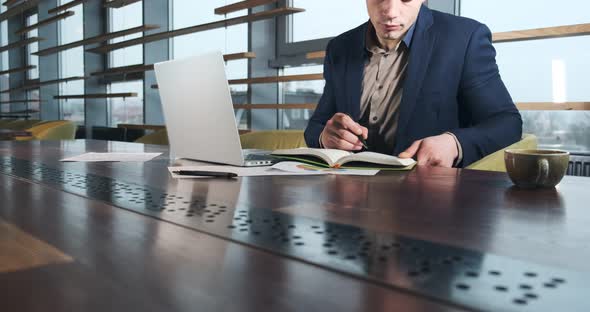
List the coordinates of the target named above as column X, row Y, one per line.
column 8, row 134
column 60, row 251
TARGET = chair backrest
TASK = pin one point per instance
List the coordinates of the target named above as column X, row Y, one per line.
column 159, row 137
column 4, row 122
column 53, row 130
column 495, row 161
column 22, row 124
column 273, row 139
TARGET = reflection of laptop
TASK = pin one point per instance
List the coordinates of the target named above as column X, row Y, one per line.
column 199, row 113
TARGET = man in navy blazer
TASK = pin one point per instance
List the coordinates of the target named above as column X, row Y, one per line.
column 448, row 107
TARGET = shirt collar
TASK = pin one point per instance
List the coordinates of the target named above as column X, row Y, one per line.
column 371, row 42
column 409, row 35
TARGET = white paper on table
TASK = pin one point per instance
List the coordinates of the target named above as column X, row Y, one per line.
column 98, row 157
column 285, row 168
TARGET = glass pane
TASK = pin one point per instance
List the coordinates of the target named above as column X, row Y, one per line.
column 300, row 92
column 72, row 109
column 71, row 63
column 33, row 95
column 4, row 62
column 32, row 48
column 233, row 39
column 549, row 70
column 123, row 18
column 72, row 28
column 555, row 67
column 506, row 15
column 126, row 110
column 336, row 17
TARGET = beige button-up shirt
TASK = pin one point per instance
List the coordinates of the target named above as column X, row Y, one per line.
column 382, row 91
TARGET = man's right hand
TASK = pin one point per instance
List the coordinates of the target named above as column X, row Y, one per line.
column 341, row 132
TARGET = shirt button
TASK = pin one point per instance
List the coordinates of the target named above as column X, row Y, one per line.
column 375, row 118
column 380, row 87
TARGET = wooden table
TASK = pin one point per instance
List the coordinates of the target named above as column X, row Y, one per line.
column 63, row 252
column 7, row 134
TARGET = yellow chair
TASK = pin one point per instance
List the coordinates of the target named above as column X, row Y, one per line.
column 22, row 124
column 273, row 139
column 159, row 137
column 52, row 130
column 268, row 140
column 495, row 161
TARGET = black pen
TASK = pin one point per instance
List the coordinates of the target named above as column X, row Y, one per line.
column 360, row 136
column 198, row 173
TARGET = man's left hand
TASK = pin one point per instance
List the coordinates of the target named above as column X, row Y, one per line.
column 440, row 151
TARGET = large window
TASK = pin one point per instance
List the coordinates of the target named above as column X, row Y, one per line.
column 548, row 70
column 126, row 110
column 71, row 63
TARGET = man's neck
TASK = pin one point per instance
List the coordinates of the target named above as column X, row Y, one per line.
column 388, row 44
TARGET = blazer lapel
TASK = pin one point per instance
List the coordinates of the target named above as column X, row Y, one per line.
column 354, row 78
column 420, row 53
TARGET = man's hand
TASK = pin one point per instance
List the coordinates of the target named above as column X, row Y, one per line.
column 440, row 151
column 341, row 132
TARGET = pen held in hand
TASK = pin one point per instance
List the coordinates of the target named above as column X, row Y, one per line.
column 198, row 173
column 360, row 136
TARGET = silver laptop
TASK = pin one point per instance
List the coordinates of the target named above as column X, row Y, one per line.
column 199, row 113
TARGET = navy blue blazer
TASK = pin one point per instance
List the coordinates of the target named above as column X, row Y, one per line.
column 452, row 84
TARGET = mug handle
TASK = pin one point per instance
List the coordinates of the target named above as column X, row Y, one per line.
column 543, row 173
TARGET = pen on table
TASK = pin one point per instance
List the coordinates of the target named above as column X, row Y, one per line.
column 198, row 173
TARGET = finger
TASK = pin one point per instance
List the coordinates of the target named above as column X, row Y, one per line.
column 329, row 125
column 411, row 151
column 422, row 157
column 344, row 135
column 349, row 137
column 365, row 132
column 345, row 122
column 343, row 144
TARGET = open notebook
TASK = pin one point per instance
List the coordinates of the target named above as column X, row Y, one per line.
column 342, row 159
